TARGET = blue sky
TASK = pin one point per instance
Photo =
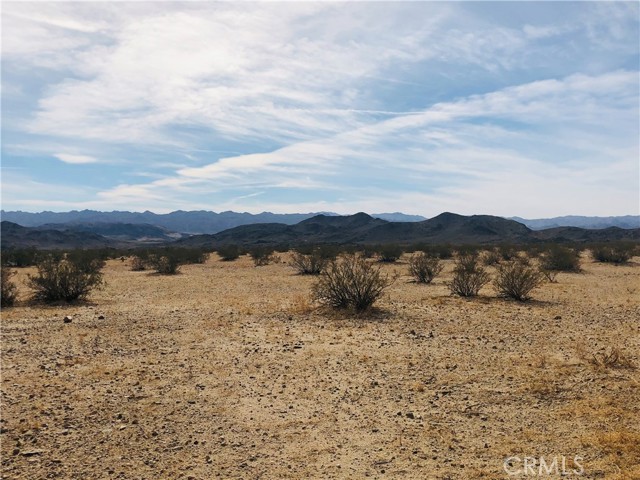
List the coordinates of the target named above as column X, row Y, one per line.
column 505, row 108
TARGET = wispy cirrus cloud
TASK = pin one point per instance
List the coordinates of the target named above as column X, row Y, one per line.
column 410, row 105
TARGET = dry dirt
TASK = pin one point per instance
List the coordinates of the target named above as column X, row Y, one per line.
column 227, row 371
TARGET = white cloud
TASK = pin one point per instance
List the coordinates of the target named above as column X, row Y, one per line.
column 75, row 159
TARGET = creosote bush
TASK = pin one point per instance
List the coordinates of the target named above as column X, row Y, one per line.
column 389, row 253
column 262, row 256
column 468, row 276
column 424, row 268
column 312, row 263
column 561, row 259
column 614, row 253
column 64, row 279
column 228, row 253
column 516, row 279
column 350, row 283
column 9, row 290
column 138, row 264
column 165, row 264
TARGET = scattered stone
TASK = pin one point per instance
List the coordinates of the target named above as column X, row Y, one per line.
column 410, row 415
column 100, row 317
column 67, row 319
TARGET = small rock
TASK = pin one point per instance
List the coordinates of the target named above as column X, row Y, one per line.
column 68, row 319
column 410, row 415
column 100, row 317
column 558, row 317
column 31, row 453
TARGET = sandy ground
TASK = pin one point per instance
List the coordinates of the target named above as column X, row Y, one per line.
column 228, row 371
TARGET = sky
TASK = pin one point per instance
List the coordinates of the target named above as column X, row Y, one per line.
column 526, row 109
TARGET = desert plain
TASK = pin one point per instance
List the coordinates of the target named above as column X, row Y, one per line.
column 228, row 370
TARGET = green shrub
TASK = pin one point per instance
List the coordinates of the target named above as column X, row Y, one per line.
column 350, row 283
column 64, row 279
column 262, row 256
column 228, row 253
column 312, row 263
column 561, row 259
column 468, row 276
column 9, row 290
column 424, row 268
column 165, row 264
column 516, row 279
column 389, row 253
column 613, row 253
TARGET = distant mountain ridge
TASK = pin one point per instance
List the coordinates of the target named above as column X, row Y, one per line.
column 353, row 229
column 199, row 222
column 625, row 221
column 193, row 222
column 364, row 229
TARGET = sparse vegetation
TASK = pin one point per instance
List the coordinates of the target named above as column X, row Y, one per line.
column 491, row 257
column 165, row 264
column 617, row 253
column 312, row 263
column 350, row 283
column 516, row 279
column 468, row 276
column 138, row 264
column 64, row 279
column 262, row 256
column 424, row 268
column 561, row 259
column 228, row 253
column 9, row 290
column 389, row 253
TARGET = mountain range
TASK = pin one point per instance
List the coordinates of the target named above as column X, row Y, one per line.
column 196, row 222
column 364, row 229
column 324, row 228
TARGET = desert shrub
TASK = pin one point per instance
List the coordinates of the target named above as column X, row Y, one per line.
column 561, row 259
column 424, row 268
column 491, row 257
column 516, row 279
column 87, row 260
column 228, row 253
column 389, row 253
column 9, row 290
column 468, row 276
column 261, row 256
column 64, row 279
column 508, row 252
column 311, row 263
column 165, row 264
column 20, row 257
column 138, row 264
column 613, row 253
column 351, row 283
column 548, row 275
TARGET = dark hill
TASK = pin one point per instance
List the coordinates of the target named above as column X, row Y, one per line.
column 17, row 236
column 364, row 229
column 140, row 232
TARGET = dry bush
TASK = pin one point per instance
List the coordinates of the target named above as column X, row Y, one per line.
column 611, row 357
column 138, row 264
column 389, row 253
column 613, row 253
column 228, row 253
column 350, row 283
column 64, row 279
column 549, row 275
column 312, row 263
column 262, row 256
column 424, row 268
column 491, row 257
column 516, row 279
column 561, row 259
column 468, row 276
column 9, row 290
column 165, row 264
